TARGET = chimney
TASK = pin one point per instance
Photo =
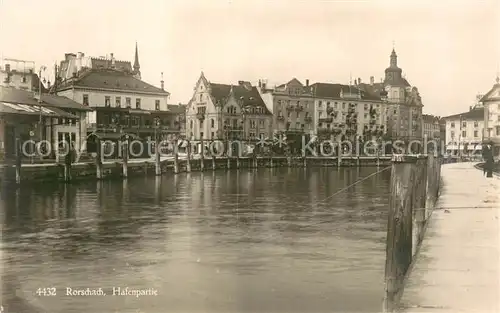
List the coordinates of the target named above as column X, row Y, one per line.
column 264, row 85
column 74, row 74
column 307, row 82
column 162, row 82
column 355, row 82
column 372, row 80
column 69, row 56
column 7, row 68
column 260, row 83
column 359, row 80
column 112, row 60
column 48, row 84
column 470, row 108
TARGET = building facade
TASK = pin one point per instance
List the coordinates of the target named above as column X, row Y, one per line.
column 464, row 131
column 122, row 104
column 292, row 106
column 227, row 112
column 491, row 118
column 431, row 126
column 52, row 119
column 405, row 104
column 20, row 74
column 345, row 112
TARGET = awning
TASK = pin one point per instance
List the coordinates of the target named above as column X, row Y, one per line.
column 25, row 109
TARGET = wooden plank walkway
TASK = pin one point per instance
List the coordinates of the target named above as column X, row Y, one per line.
column 458, row 266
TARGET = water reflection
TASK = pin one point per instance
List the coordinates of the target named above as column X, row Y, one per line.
column 240, row 241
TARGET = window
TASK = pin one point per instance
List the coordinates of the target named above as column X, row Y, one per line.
column 464, row 124
column 452, row 125
column 498, row 118
column 498, row 130
column 464, row 133
column 476, row 134
column 201, row 98
column 157, row 105
column 498, row 106
column 23, row 80
column 128, row 102
column 475, row 124
column 86, row 99
column 213, row 135
column 212, row 123
column 107, row 101
column 118, row 102
column 190, row 124
column 201, row 134
column 138, row 103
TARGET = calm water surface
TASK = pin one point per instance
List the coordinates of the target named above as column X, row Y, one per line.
column 267, row 240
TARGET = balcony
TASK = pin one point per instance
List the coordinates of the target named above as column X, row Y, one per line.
column 200, row 115
column 281, row 118
column 326, row 120
column 290, row 108
column 299, row 108
column 329, row 110
column 233, row 128
column 308, row 119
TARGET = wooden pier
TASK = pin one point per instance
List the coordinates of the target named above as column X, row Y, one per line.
column 457, row 268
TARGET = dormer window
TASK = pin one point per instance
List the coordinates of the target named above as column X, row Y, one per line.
column 107, row 101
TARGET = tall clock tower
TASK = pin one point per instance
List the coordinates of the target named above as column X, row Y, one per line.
column 393, row 74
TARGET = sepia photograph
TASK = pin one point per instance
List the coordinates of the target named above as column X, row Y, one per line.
column 248, row 156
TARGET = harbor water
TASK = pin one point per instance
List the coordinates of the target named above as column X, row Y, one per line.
column 266, row 240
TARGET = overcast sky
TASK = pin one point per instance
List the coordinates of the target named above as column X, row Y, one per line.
column 450, row 50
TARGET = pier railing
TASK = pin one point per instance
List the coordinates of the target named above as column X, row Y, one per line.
column 415, row 183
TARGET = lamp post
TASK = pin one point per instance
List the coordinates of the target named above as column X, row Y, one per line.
column 42, row 69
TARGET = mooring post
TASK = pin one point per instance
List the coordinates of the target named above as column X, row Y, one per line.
column 98, row 159
column 255, row 161
column 157, row 158
column 228, row 154
column 238, row 158
column 289, row 161
column 19, row 155
column 176, row 156
column 399, row 228
column 211, row 150
column 305, row 161
column 420, row 199
column 339, row 154
column 68, row 159
column 429, row 185
column 125, row 152
column 271, row 160
column 188, row 164
column 202, row 155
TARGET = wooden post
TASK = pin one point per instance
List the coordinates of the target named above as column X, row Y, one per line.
column 421, row 198
column 271, row 161
column 188, row 164
column 238, row 160
column 358, row 162
column 399, row 230
column 157, row 158
column 18, row 160
column 125, row 152
column 255, row 161
column 98, row 159
column 289, row 161
column 176, row 156
column 67, row 165
column 228, row 154
column 339, row 154
column 305, row 161
column 202, row 155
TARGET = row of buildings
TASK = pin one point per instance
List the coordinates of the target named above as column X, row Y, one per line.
column 103, row 97
column 467, row 131
column 391, row 107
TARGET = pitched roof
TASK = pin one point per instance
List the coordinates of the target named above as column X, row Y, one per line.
column 488, row 95
column 99, row 63
column 474, row 114
column 111, row 79
column 30, row 109
column 13, row 95
column 243, row 91
column 326, row 90
column 179, row 109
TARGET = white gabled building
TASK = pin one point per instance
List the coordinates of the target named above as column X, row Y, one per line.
column 491, row 118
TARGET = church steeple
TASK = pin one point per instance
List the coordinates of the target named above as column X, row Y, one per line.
column 394, row 59
column 137, row 67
